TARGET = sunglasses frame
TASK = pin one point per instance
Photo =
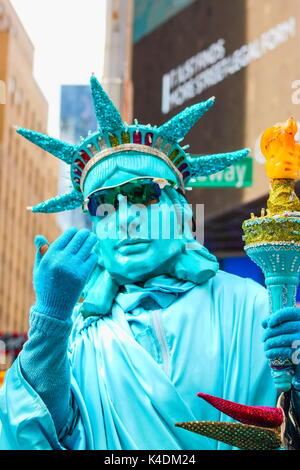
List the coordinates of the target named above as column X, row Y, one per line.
column 160, row 181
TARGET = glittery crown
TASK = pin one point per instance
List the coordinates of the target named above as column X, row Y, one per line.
column 115, row 137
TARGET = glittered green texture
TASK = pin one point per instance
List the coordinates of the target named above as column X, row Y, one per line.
column 114, row 141
column 268, row 229
column 180, row 160
column 276, row 226
column 243, row 436
column 125, row 137
column 283, row 197
column 174, row 154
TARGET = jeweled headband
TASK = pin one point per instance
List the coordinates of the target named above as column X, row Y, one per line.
column 115, row 137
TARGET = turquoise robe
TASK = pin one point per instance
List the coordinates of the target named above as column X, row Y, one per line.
column 137, row 372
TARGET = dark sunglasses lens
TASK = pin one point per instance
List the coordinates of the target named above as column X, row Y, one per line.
column 152, row 192
column 92, row 207
column 100, row 198
column 141, row 191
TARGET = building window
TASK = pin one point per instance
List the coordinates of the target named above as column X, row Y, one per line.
column 10, row 141
column 18, row 100
column 26, row 114
column 32, row 126
column 12, row 84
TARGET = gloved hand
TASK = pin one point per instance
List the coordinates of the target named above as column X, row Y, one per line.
column 60, row 275
column 281, row 340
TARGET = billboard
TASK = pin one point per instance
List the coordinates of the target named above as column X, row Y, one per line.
column 247, row 57
column 149, row 14
column 196, row 38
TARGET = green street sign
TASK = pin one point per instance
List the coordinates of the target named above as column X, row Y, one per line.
column 238, row 175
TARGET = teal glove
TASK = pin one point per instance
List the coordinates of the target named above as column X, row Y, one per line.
column 60, row 275
column 281, row 338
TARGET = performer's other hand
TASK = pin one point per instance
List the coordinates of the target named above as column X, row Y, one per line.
column 282, row 338
column 60, row 274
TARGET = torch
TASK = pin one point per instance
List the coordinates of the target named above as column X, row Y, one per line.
column 272, row 240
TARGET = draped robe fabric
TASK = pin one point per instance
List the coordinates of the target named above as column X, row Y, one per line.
column 137, row 371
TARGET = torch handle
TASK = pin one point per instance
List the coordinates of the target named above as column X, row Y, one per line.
column 282, row 289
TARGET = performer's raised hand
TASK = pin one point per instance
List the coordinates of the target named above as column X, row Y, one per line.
column 61, row 271
column 281, row 342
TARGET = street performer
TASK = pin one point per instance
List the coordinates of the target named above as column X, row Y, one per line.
column 133, row 320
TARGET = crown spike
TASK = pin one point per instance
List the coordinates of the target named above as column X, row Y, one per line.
column 204, row 165
column 264, row 416
column 61, row 203
column 176, row 128
column 107, row 114
column 59, row 149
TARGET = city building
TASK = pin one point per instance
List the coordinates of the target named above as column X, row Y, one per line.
column 117, row 65
column 27, row 174
column 77, row 116
column 245, row 53
column 77, row 119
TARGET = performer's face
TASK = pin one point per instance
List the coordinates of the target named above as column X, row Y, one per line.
column 137, row 240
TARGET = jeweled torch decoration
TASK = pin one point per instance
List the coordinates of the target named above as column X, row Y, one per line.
column 272, row 240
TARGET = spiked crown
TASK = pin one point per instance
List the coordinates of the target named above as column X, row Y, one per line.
column 117, row 138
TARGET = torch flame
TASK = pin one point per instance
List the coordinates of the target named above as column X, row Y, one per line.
column 281, row 151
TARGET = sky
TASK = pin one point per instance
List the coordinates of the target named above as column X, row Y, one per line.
column 68, row 37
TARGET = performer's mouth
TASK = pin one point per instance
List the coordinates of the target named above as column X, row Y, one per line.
column 132, row 245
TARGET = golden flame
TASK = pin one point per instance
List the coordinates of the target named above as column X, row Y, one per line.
column 281, row 151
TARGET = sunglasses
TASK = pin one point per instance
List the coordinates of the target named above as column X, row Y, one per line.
column 144, row 191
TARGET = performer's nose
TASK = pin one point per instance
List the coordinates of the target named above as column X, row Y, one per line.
column 123, row 213
column 127, row 218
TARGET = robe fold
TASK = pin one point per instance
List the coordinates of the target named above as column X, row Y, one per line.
column 137, row 373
